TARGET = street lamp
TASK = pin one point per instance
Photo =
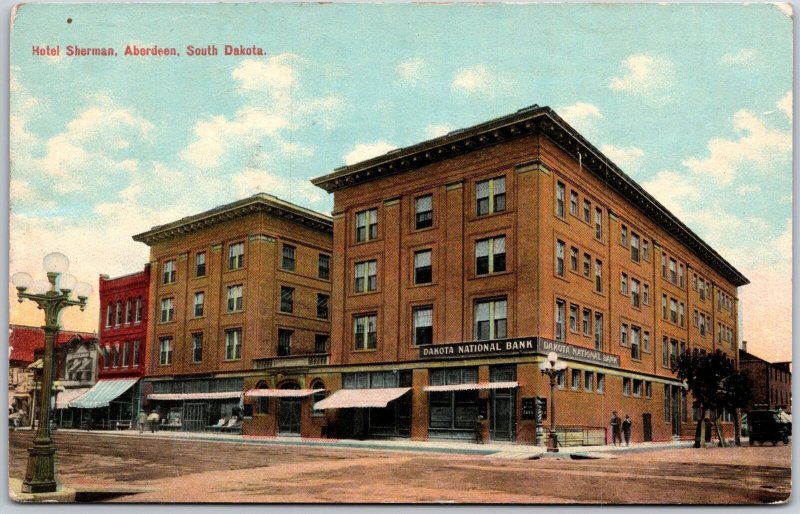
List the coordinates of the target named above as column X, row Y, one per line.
column 52, row 296
column 552, row 368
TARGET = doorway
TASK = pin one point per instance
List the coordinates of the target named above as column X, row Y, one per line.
column 289, row 412
column 195, row 418
column 501, row 413
column 647, row 427
column 676, row 411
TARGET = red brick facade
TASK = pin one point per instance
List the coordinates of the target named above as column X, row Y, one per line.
column 124, row 319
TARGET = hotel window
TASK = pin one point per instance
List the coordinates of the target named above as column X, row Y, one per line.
column 366, row 225
column 680, row 275
column 490, row 196
column 701, row 322
column 623, row 236
column 673, row 274
column 560, row 379
column 588, row 381
column 135, row 353
column 109, row 315
column 598, row 223
column 624, row 284
column 324, row 267
column 623, row 335
column 490, row 255
column 587, row 211
column 106, row 352
column 702, row 289
column 573, row 317
column 320, row 343
column 587, row 265
column 423, row 273
column 560, row 258
column 646, row 250
column 490, row 319
column 165, row 351
column 366, row 332
column 673, row 349
column 128, row 311
column 197, row 347
column 284, row 342
column 560, row 192
column 423, row 325
column 673, row 310
column 694, row 281
column 366, row 276
column 236, row 256
column 138, row 318
column 601, row 382
column 598, row 331
column 199, row 303
column 681, row 314
column 573, row 259
column 587, row 322
column 287, row 258
column 125, row 353
column 648, row 390
column 200, row 264
column 636, row 334
column 626, row 386
column 287, row 299
column 635, row 299
column 637, row 387
column 560, row 313
column 235, row 298
column 598, row 276
column 664, row 306
column 573, row 203
column 118, row 319
column 646, row 339
column 233, row 344
column 169, row 275
column 634, row 247
column 423, row 212
column 646, row 294
column 663, row 266
column 322, row 306
column 576, row 379
column 167, row 309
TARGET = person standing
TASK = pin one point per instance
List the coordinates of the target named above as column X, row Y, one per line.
column 615, row 428
column 142, row 420
column 626, row 429
column 153, row 419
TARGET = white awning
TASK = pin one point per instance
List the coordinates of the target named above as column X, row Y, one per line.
column 281, row 393
column 350, row 398
column 471, row 387
column 68, row 395
column 103, row 392
column 195, row 396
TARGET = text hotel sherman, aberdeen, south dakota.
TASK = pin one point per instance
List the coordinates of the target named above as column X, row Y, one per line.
column 147, row 51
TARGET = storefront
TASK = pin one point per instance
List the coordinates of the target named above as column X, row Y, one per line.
column 196, row 405
column 110, row 403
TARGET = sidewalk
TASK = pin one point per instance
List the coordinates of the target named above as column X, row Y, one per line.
column 493, row 450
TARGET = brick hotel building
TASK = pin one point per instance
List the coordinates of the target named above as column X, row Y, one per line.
column 461, row 261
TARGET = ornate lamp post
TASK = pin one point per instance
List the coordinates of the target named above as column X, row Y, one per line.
column 52, row 296
column 552, row 368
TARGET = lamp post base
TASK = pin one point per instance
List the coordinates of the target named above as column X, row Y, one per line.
column 552, row 444
column 40, row 475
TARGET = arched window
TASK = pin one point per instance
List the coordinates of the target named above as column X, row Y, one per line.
column 128, row 312
column 139, row 309
column 262, row 403
column 109, row 314
column 115, row 349
column 118, row 321
column 106, row 356
column 317, row 397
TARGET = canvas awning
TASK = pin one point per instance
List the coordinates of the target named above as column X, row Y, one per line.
column 470, row 387
column 350, row 398
column 281, row 393
column 68, row 395
column 37, row 364
column 195, row 396
column 103, row 392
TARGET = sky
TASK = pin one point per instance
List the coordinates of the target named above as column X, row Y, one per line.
column 692, row 101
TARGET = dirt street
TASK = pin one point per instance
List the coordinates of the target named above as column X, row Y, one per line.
column 202, row 471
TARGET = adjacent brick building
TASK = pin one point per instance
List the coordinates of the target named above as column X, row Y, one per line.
column 772, row 381
column 462, row 260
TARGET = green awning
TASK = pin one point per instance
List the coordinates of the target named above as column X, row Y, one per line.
column 103, row 392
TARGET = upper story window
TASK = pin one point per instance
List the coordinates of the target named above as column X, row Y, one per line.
column 126, row 354
column 287, row 257
column 623, row 235
column 167, row 309
column 673, row 271
column 680, row 275
column 118, row 319
column 646, row 294
column 423, row 212
column 366, row 276
column 573, row 203
column 284, row 342
column 490, row 319
column 197, row 347
column 573, row 259
column 128, row 311
column 598, row 223
column 366, row 332
column 634, row 247
column 324, row 267
column 646, row 250
column 636, row 333
column 200, row 264
column 135, row 353
column 635, row 298
column 587, row 265
column 561, row 307
column 366, row 225
column 320, row 343
column 490, row 255
column 109, row 315
column 322, row 305
column 587, row 322
column 236, row 256
column 560, row 194
column 169, row 276
column 598, row 276
column 422, row 267
column 199, row 304
column 235, row 298
column 624, row 284
column 423, row 325
column 165, row 351
column 287, row 299
column 233, row 344
column 587, row 211
column 138, row 318
column 560, row 258
column 490, row 196
column 598, row 330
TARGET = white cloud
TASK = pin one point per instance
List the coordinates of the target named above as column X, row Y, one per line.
column 673, row 190
column 436, row 130
column 645, row 75
column 410, row 71
column 581, row 115
column 759, row 148
column 748, row 189
column 364, row 151
column 296, row 190
column 628, row 158
column 744, row 56
column 479, row 80
column 785, row 104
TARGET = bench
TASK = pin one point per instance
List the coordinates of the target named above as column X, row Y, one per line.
column 123, row 425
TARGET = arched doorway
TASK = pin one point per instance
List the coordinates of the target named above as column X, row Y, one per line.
column 289, row 411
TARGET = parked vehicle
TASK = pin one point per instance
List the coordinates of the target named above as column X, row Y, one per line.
column 768, row 426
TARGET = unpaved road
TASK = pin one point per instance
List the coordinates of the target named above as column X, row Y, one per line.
column 201, row 471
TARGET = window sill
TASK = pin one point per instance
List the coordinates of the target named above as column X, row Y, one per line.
column 366, row 241
column 476, row 216
column 424, row 284
column 232, row 360
column 365, row 350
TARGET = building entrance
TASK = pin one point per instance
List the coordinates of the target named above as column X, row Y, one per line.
column 195, row 417
column 289, row 412
column 502, row 412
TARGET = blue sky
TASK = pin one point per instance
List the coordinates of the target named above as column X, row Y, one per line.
column 693, row 101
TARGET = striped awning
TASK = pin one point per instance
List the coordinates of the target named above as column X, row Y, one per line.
column 67, row 395
column 352, row 398
column 195, row 396
column 471, row 387
column 281, row 393
column 103, row 392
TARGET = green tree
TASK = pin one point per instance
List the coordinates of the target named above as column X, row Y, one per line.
column 737, row 394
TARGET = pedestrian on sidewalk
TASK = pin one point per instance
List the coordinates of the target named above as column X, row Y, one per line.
column 626, row 429
column 141, row 420
column 153, row 419
column 615, row 428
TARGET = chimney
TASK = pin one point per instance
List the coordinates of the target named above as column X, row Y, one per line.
column 744, row 346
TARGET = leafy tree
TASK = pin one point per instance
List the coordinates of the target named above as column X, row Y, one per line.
column 737, row 394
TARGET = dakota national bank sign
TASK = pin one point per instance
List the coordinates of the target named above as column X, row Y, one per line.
column 519, row 346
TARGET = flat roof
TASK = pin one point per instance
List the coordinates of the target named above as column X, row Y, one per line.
column 528, row 121
column 260, row 202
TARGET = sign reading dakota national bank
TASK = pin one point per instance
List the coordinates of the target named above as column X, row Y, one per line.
column 519, row 346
